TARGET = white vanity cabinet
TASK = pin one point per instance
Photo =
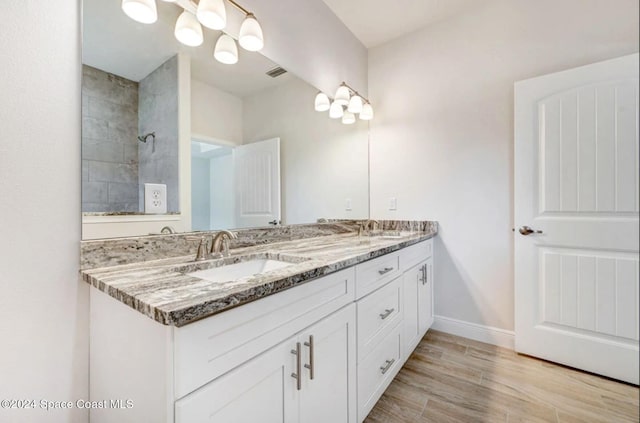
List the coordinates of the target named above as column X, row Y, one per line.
column 308, row 378
column 324, row 351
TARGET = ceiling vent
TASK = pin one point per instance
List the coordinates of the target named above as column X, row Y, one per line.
column 276, row 72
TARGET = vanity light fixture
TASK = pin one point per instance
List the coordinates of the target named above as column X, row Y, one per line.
column 188, row 30
column 336, row 111
column 322, row 103
column 143, row 11
column 210, row 13
column 348, row 118
column 226, row 50
column 346, row 104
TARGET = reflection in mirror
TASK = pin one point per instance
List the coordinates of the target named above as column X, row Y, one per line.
column 233, row 145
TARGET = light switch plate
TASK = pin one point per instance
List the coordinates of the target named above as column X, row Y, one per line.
column 347, row 204
column 155, row 198
column 393, row 203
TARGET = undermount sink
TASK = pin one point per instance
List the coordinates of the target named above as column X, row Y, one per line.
column 240, row 270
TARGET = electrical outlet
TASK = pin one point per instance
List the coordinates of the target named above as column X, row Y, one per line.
column 155, row 198
column 347, row 204
column 393, row 203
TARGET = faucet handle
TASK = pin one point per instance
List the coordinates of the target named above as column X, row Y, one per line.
column 202, row 247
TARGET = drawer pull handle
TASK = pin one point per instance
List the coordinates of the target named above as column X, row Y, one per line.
column 296, row 375
column 385, row 270
column 387, row 365
column 387, row 313
column 310, row 366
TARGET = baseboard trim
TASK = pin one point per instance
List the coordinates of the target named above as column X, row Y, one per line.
column 490, row 335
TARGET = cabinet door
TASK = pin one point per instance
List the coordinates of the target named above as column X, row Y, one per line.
column 329, row 352
column 425, row 298
column 260, row 390
column 413, row 298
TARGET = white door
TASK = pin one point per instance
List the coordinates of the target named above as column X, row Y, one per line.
column 261, row 390
column 425, row 298
column 576, row 181
column 329, row 352
column 257, row 181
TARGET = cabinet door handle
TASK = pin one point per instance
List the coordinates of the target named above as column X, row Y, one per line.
column 387, row 365
column 387, row 313
column 425, row 278
column 422, row 274
column 296, row 375
column 310, row 366
column 385, row 270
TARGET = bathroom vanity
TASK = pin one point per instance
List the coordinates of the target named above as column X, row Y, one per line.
column 307, row 330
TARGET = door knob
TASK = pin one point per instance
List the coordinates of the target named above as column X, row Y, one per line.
column 525, row 230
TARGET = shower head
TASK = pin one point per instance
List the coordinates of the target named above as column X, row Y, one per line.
column 143, row 138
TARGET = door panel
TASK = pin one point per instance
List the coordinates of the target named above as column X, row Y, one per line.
column 576, row 181
column 257, row 180
column 326, row 398
column 264, row 382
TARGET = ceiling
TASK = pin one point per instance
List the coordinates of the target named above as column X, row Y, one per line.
column 115, row 43
column 375, row 22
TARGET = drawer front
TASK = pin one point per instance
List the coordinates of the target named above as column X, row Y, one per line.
column 377, row 371
column 206, row 349
column 416, row 253
column 378, row 313
column 373, row 274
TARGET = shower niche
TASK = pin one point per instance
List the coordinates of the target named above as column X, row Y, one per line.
column 129, row 139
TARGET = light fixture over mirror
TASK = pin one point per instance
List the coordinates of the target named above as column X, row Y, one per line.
column 210, row 13
column 346, row 104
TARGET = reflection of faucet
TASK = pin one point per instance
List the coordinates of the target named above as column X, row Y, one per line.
column 366, row 224
column 220, row 244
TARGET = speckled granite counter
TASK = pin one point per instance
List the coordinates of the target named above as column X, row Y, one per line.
column 162, row 290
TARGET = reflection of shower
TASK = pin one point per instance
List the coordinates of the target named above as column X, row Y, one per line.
column 143, row 138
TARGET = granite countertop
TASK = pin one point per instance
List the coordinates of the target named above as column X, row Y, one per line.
column 163, row 291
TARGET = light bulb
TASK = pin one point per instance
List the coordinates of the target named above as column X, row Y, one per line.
column 212, row 14
column 250, row 37
column 348, row 118
column 143, row 11
column 342, row 95
column 226, row 50
column 188, row 30
column 367, row 112
column 336, row 111
column 355, row 104
column 322, row 103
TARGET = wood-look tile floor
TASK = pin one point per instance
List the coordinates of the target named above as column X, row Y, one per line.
column 454, row 379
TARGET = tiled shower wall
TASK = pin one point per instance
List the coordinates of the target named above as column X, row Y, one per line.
column 109, row 142
column 159, row 113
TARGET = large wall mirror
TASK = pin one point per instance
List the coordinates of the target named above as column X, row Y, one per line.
column 171, row 137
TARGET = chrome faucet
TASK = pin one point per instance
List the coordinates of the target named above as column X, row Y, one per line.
column 365, row 225
column 220, row 244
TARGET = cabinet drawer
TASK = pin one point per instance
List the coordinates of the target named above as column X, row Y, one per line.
column 377, row 371
column 373, row 274
column 211, row 347
column 377, row 314
column 416, row 253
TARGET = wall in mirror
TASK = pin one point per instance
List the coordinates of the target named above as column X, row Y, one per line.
column 233, row 145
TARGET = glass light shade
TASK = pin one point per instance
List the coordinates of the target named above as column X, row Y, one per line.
column 226, row 50
column 348, row 118
column 188, row 30
column 143, row 11
column 355, row 104
column 322, row 102
column 250, row 37
column 342, row 96
column 212, row 14
column 367, row 112
column 336, row 111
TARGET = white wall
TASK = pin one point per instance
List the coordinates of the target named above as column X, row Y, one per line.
column 215, row 114
column 307, row 39
column 442, row 138
column 43, row 305
column 323, row 162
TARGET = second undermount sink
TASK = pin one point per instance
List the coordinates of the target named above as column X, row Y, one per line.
column 240, row 270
